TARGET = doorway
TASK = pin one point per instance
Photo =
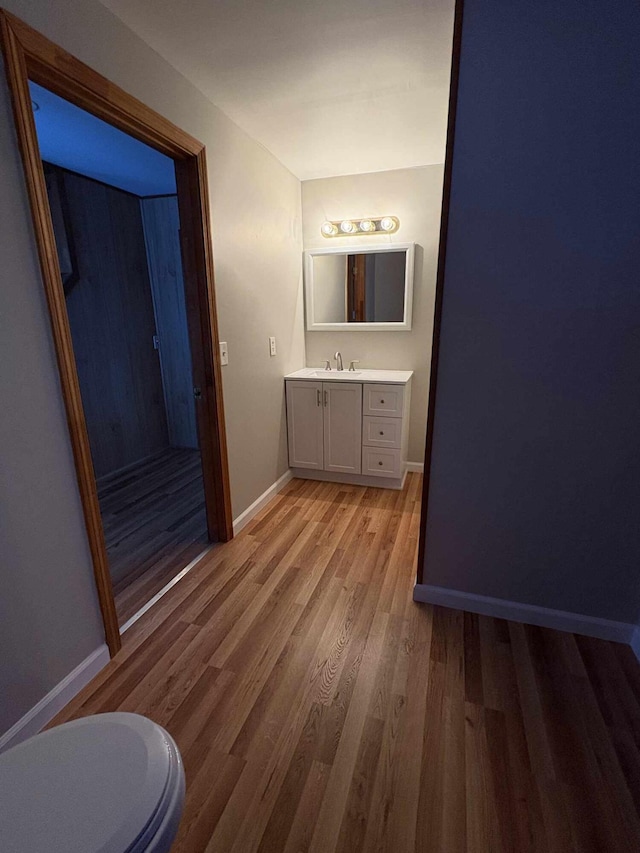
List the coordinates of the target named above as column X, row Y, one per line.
column 117, row 227
column 31, row 57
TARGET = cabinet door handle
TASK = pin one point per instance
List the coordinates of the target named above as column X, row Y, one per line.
column 326, row 398
column 381, row 433
column 318, row 393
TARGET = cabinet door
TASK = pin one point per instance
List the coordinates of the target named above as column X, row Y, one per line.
column 342, row 426
column 305, row 424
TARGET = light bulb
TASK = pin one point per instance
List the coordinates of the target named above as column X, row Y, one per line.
column 329, row 229
column 367, row 225
column 347, row 226
column 388, row 223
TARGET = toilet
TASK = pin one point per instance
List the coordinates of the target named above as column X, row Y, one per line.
column 112, row 783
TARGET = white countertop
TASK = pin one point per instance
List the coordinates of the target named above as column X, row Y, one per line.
column 319, row 374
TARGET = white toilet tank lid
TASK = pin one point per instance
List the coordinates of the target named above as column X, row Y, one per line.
column 91, row 785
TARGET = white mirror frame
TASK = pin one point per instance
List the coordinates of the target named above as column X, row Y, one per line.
column 403, row 326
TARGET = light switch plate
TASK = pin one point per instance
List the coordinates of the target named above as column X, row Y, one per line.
column 224, row 353
column 272, row 346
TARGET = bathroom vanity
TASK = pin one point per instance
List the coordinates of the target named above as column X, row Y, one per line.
column 349, row 426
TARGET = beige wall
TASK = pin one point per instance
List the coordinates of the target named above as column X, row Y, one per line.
column 414, row 196
column 49, row 620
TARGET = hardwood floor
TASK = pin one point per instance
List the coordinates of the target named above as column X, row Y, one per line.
column 318, row 708
column 154, row 522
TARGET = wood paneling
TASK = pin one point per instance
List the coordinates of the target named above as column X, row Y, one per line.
column 154, row 525
column 61, row 226
column 318, row 708
column 162, row 236
column 112, row 325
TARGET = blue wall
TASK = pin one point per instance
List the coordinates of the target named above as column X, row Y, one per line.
column 535, row 484
column 74, row 139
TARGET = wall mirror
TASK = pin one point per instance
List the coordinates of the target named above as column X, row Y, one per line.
column 359, row 288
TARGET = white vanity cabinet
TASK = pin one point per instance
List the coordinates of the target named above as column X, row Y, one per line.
column 305, row 425
column 324, row 424
column 349, row 427
column 342, row 426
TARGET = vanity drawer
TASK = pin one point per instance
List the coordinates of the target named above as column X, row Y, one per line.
column 380, row 462
column 382, row 432
column 385, row 400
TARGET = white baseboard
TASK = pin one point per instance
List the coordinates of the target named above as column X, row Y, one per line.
column 415, row 467
column 396, row 483
column 635, row 641
column 251, row 511
column 55, row 700
column 530, row 614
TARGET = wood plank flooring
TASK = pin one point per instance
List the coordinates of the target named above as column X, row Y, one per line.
column 318, row 708
column 154, row 523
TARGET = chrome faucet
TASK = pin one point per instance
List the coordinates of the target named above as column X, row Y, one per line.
column 338, row 358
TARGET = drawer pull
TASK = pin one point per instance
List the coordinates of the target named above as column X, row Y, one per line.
column 382, row 401
column 379, row 463
column 381, row 433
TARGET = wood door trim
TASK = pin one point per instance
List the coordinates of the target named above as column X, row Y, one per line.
column 197, row 255
column 30, row 55
column 52, row 67
column 442, row 257
column 356, row 289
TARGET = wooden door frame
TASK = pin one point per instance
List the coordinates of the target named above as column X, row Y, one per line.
column 356, row 289
column 30, row 56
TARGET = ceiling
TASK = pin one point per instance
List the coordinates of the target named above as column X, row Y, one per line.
column 330, row 88
column 76, row 140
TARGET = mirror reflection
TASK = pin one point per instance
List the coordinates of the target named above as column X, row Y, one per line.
column 359, row 288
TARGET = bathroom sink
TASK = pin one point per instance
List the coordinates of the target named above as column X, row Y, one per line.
column 366, row 375
column 334, row 374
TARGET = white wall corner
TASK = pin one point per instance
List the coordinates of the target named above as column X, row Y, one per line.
column 529, row 614
column 251, row 511
column 55, row 700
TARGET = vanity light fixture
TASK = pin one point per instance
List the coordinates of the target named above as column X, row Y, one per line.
column 329, row 229
column 360, row 227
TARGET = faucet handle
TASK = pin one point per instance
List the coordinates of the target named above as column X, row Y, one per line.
column 352, row 363
column 327, row 365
